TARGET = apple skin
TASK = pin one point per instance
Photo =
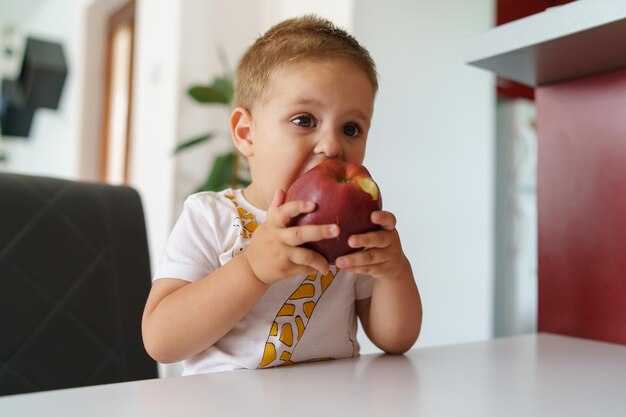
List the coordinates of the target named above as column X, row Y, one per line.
column 334, row 186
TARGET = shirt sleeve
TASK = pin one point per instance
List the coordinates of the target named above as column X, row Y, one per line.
column 191, row 252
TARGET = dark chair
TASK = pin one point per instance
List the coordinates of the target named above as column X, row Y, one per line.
column 74, row 277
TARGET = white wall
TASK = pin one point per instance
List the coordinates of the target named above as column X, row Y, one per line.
column 53, row 146
column 156, row 90
column 431, row 148
column 340, row 12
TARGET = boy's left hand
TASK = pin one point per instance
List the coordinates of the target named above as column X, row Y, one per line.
column 382, row 256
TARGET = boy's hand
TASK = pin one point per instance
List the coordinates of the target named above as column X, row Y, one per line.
column 382, row 257
column 274, row 253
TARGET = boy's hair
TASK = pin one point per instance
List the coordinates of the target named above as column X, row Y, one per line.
column 290, row 41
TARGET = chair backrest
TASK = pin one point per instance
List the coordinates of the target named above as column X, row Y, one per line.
column 74, row 277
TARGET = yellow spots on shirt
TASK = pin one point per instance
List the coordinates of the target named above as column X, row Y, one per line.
column 251, row 226
column 286, row 334
column 269, row 355
column 308, row 307
column 326, row 280
column 300, row 326
column 287, row 310
column 303, row 291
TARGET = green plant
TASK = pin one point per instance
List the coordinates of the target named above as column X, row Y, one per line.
column 228, row 169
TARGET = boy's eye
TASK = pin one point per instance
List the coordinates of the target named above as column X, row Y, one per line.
column 351, row 130
column 304, row 121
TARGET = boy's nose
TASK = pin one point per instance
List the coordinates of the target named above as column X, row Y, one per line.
column 330, row 146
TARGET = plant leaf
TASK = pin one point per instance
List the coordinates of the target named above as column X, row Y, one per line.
column 220, row 175
column 193, row 142
column 225, row 86
column 208, row 94
column 243, row 182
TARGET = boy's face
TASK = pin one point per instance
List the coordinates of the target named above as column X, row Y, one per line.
column 313, row 111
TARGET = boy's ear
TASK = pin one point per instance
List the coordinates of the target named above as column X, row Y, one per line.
column 241, row 130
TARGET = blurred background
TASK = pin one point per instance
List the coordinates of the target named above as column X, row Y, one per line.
column 453, row 149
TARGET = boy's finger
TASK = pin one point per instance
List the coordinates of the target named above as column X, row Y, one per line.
column 293, row 208
column 362, row 258
column 296, row 236
column 378, row 239
column 384, row 219
column 279, row 198
column 310, row 259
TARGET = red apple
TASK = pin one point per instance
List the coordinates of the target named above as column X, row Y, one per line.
column 345, row 194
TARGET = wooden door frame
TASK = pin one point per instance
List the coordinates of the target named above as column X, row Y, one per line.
column 124, row 15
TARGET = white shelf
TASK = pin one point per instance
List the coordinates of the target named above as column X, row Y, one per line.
column 575, row 40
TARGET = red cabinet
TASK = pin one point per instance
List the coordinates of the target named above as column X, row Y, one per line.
column 582, row 207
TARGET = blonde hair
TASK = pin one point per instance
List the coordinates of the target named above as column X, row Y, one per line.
column 306, row 37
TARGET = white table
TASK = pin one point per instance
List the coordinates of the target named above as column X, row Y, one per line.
column 533, row 375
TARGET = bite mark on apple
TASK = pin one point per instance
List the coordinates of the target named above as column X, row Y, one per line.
column 369, row 186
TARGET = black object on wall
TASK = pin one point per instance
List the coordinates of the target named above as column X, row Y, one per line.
column 39, row 85
column 15, row 117
column 43, row 73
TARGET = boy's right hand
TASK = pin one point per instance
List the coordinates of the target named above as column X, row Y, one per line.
column 274, row 252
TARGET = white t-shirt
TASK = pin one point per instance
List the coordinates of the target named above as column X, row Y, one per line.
column 300, row 319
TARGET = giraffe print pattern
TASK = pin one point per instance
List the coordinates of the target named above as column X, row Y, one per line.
column 246, row 220
column 293, row 316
